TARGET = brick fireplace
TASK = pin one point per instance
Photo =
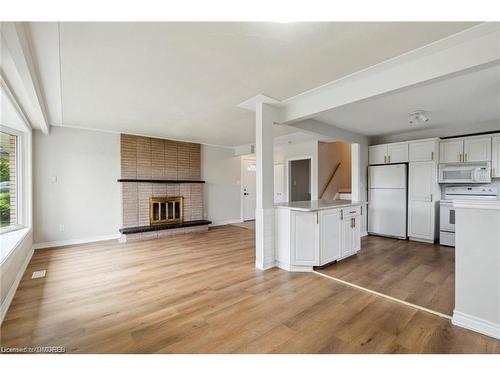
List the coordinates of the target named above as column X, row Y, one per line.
column 154, row 168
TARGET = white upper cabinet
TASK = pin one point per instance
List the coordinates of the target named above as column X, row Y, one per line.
column 495, row 157
column 465, row 150
column 397, row 153
column 388, row 154
column 377, row 154
column 477, row 149
column 423, row 151
column 451, row 151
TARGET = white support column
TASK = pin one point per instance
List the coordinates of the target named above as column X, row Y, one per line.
column 265, row 116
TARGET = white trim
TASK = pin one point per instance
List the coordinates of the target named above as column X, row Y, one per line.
column 385, row 296
column 265, row 266
column 12, row 291
column 225, row 222
column 45, row 245
column 293, row 268
column 364, row 234
column 476, row 324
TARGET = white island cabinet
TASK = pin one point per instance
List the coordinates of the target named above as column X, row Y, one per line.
column 314, row 233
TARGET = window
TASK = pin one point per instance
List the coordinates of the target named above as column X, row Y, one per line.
column 9, row 160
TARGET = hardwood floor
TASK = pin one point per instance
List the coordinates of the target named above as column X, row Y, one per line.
column 200, row 293
column 420, row 273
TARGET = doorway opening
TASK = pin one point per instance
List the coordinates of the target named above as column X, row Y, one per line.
column 300, row 180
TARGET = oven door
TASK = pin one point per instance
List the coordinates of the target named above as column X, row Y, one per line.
column 447, row 217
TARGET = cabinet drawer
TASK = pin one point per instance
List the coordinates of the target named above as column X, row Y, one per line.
column 351, row 211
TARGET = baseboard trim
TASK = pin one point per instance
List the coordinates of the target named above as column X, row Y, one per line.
column 425, row 240
column 265, row 266
column 292, row 268
column 225, row 222
column 476, row 324
column 45, row 245
column 12, row 291
column 364, row 234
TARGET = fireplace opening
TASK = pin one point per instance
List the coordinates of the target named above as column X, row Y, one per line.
column 164, row 210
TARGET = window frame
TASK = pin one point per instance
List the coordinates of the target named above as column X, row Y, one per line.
column 20, row 189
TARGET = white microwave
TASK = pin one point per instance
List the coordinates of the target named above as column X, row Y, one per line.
column 467, row 173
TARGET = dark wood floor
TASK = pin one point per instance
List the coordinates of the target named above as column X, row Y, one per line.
column 200, row 293
column 420, row 273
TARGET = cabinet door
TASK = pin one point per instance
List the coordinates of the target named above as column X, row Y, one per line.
column 347, row 245
column 421, row 205
column 451, row 151
column 356, row 234
column 377, row 154
column 305, row 250
column 423, row 151
column 477, row 149
column 330, row 229
column 397, row 153
column 495, row 157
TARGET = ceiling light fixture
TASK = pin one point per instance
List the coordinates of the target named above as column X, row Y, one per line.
column 418, row 117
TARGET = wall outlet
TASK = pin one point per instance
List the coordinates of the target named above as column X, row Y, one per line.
column 38, row 274
column 61, row 227
column 53, row 179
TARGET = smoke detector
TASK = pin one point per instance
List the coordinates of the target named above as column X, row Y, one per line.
column 418, row 117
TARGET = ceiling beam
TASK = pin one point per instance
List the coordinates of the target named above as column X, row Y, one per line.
column 17, row 39
column 469, row 49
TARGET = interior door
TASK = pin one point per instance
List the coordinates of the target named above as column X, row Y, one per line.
column 477, row 149
column 300, row 180
column 421, row 200
column 330, row 230
column 451, row 151
column 249, row 198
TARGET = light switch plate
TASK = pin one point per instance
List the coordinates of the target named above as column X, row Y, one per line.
column 38, row 274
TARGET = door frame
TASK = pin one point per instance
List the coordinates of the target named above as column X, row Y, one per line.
column 242, row 171
column 288, row 174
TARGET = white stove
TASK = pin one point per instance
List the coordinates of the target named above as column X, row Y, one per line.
column 447, row 213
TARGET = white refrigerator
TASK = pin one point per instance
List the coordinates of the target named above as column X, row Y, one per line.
column 387, row 200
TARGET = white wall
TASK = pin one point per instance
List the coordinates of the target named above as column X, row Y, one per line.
column 221, row 171
column 84, row 202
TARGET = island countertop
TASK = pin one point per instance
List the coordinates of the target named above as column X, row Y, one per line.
column 318, row 205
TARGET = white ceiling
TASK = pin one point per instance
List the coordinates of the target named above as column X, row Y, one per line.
column 466, row 99
column 184, row 80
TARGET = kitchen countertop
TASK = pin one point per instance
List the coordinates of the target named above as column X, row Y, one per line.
column 318, row 205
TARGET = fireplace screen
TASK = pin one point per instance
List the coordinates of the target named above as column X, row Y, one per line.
column 164, row 210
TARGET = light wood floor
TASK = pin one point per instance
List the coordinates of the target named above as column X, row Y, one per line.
column 200, row 293
column 420, row 273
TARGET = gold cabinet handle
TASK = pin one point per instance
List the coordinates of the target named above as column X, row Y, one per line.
column 317, row 217
column 432, row 155
column 460, row 157
column 466, row 157
column 385, row 159
column 389, row 158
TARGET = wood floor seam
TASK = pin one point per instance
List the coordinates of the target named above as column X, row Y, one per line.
column 430, row 311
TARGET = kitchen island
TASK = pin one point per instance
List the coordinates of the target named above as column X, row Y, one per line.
column 314, row 233
column 477, row 265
